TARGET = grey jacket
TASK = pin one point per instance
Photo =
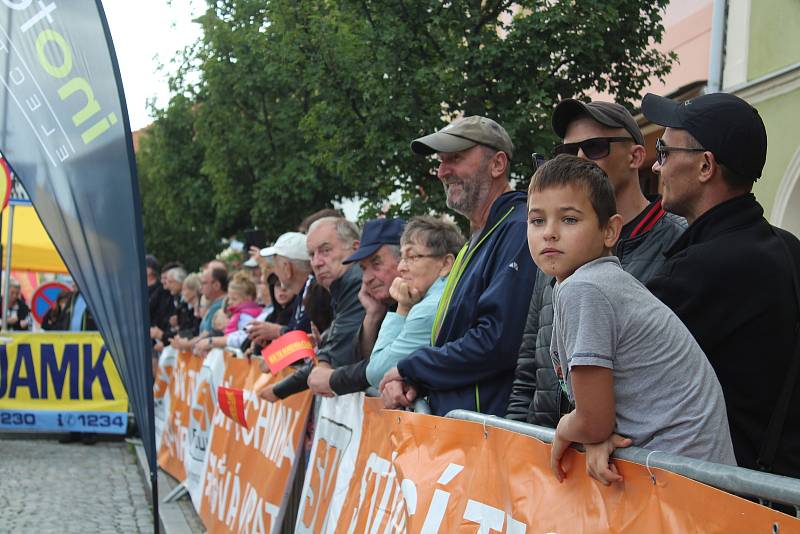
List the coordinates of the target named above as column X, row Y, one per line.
column 536, row 395
column 339, row 347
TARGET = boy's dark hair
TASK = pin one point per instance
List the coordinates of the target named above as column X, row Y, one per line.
column 571, row 170
column 317, row 302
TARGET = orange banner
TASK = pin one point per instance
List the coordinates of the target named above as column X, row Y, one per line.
column 287, row 349
column 248, row 472
column 175, row 436
column 423, row 473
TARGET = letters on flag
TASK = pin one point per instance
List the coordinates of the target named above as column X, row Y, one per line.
column 287, row 349
column 231, row 402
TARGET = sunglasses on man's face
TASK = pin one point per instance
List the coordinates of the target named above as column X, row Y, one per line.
column 662, row 150
column 594, row 148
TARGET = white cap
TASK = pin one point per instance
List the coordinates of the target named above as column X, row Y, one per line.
column 290, row 245
column 251, row 263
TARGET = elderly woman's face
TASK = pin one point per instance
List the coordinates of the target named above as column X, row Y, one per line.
column 188, row 294
column 419, row 267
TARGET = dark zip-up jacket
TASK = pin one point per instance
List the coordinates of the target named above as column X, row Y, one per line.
column 729, row 279
column 471, row 366
column 338, row 348
column 536, row 396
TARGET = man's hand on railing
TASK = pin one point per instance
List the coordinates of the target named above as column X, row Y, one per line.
column 263, row 332
column 599, row 464
column 395, row 392
column 156, row 332
column 319, row 381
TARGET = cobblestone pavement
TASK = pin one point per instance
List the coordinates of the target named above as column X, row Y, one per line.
column 48, row 487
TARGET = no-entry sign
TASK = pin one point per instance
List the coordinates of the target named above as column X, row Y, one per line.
column 45, row 298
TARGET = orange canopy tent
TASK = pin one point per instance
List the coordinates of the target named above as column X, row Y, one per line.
column 31, row 249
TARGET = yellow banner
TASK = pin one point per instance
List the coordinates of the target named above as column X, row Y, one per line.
column 62, row 381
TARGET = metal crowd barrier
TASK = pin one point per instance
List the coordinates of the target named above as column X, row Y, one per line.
column 420, row 405
column 737, row 480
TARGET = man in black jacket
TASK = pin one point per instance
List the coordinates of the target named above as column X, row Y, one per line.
column 18, row 313
column 378, row 255
column 607, row 134
column 731, row 277
column 330, row 241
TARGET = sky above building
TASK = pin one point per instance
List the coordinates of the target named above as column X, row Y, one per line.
column 148, row 35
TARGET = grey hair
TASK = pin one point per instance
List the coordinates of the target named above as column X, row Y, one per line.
column 192, row 282
column 177, row 274
column 13, row 282
column 346, row 231
column 394, row 250
column 440, row 236
column 300, row 265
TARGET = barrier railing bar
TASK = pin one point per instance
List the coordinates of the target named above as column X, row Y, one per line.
column 738, row 480
column 420, row 405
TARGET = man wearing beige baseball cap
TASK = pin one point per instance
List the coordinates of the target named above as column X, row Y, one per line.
column 478, row 326
column 292, row 265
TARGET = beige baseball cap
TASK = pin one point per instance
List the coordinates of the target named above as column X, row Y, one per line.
column 290, row 245
column 465, row 133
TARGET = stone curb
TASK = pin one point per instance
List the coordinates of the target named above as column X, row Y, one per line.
column 170, row 515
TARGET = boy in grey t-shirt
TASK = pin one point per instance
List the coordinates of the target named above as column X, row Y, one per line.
column 626, row 361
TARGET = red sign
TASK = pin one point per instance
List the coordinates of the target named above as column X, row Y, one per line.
column 45, row 298
column 5, row 183
column 287, row 349
column 231, row 402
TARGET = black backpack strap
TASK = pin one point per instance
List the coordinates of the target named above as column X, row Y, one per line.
column 769, row 447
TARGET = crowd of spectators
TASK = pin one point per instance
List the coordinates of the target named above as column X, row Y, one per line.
column 617, row 319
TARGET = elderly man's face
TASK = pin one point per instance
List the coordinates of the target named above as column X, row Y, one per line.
column 207, row 284
column 380, row 270
column 13, row 295
column 173, row 286
column 466, row 178
column 327, row 253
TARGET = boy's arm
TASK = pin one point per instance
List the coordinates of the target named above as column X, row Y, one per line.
column 594, row 416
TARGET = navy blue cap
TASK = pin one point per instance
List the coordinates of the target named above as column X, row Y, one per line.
column 724, row 124
column 377, row 233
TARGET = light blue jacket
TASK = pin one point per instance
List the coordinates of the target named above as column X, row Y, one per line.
column 401, row 335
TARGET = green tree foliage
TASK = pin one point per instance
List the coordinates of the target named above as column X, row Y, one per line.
column 300, row 103
column 176, row 197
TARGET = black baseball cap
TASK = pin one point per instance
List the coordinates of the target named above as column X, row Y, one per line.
column 606, row 113
column 724, row 124
column 377, row 233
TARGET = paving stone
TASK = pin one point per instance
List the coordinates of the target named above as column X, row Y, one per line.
column 47, row 487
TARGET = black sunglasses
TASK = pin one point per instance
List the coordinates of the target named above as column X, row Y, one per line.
column 594, row 148
column 662, row 150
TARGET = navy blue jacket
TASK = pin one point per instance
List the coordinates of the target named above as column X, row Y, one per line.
column 472, row 363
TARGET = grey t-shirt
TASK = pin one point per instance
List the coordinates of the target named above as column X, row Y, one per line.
column 667, row 395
